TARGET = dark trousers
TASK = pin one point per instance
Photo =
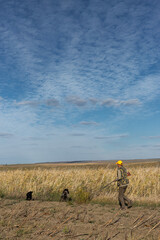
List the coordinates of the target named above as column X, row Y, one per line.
column 123, row 200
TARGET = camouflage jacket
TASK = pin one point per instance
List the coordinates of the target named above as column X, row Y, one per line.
column 122, row 179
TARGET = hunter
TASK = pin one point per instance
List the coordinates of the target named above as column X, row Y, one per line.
column 122, row 183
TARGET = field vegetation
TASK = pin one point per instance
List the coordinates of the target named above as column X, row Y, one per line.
column 83, row 180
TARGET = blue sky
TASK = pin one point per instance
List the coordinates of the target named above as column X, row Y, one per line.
column 79, row 80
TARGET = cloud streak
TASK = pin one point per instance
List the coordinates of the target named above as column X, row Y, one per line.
column 88, row 123
column 79, row 102
column 77, row 134
column 154, row 137
column 48, row 102
column 112, row 137
column 116, row 103
column 76, row 101
column 6, row 135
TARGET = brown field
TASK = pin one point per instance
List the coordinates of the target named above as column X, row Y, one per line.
column 47, row 220
column 88, row 216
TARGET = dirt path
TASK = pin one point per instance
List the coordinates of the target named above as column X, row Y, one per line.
column 54, row 220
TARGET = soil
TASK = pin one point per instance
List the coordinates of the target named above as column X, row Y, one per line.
column 60, row 220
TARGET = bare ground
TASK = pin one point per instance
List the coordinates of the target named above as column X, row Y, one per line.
column 58, row 220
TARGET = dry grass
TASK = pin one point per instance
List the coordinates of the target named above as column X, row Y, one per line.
column 83, row 181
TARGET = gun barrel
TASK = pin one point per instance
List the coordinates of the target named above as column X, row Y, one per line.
column 110, row 183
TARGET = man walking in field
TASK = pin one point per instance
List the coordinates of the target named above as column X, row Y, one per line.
column 122, row 183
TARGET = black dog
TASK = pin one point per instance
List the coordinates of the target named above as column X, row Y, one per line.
column 65, row 195
column 29, row 196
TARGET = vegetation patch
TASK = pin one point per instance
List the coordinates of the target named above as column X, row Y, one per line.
column 83, row 181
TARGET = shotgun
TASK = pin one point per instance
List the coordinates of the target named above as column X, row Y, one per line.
column 97, row 193
column 115, row 180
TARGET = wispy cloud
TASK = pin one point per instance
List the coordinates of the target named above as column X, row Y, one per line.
column 79, row 102
column 113, row 137
column 154, row 137
column 93, row 101
column 52, row 102
column 116, row 103
column 76, row 101
column 48, row 102
column 88, row 123
column 81, row 147
column 28, row 103
column 148, row 146
column 33, row 138
column 6, row 135
column 77, row 134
